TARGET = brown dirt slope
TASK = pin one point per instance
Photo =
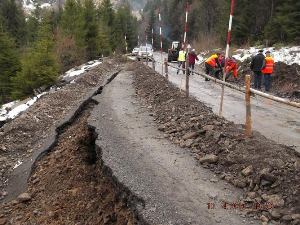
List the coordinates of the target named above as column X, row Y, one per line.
column 272, row 174
column 27, row 133
column 70, row 186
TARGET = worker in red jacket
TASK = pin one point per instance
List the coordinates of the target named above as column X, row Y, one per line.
column 192, row 60
column 231, row 67
column 268, row 70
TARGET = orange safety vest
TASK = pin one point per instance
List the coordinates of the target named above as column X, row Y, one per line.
column 212, row 60
column 269, row 66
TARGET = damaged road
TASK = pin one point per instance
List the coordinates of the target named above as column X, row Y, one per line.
column 175, row 189
column 140, row 152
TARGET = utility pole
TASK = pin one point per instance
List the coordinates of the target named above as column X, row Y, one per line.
column 126, row 46
column 152, row 41
column 227, row 54
column 187, row 73
column 161, row 44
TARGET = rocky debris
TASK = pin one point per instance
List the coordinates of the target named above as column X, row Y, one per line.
column 247, row 171
column 25, row 134
column 210, row 158
column 275, row 214
column 257, row 165
column 24, row 197
column 263, row 218
column 190, row 135
column 3, row 221
column 275, row 200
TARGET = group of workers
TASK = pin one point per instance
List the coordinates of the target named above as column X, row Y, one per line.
column 262, row 67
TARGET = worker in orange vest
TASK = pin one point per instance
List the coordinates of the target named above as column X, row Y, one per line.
column 212, row 65
column 268, row 70
column 231, row 67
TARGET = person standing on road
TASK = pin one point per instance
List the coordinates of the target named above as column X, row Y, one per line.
column 212, row 65
column 181, row 60
column 192, row 60
column 268, row 70
column 257, row 64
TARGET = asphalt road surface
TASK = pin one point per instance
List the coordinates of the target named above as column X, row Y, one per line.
column 276, row 121
column 176, row 190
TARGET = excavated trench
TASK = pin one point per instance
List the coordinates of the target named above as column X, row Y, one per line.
column 69, row 183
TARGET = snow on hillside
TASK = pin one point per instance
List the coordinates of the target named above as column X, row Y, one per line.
column 288, row 55
column 13, row 109
column 29, row 5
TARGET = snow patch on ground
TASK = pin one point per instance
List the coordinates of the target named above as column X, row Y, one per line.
column 10, row 111
column 5, row 109
column 288, row 55
column 17, row 164
column 81, row 69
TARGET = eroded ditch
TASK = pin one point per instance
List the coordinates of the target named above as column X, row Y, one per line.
column 70, row 184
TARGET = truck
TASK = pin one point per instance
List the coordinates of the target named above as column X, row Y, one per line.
column 173, row 52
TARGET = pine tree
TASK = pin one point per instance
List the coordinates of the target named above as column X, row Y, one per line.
column 151, row 26
column 72, row 22
column 288, row 17
column 39, row 64
column 106, row 13
column 13, row 20
column 105, row 47
column 9, row 65
column 91, row 34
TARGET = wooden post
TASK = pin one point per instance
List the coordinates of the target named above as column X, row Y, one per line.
column 153, row 64
column 248, row 125
column 187, row 74
column 222, row 99
column 166, row 69
column 146, row 58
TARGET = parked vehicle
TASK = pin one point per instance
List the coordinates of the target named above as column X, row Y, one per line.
column 135, row 51
column 145, row 51
column 173, row 52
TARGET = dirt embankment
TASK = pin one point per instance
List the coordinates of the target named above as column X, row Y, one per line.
column 285, row 79
column 266, row 171
column 71, row 186
column 23, row 136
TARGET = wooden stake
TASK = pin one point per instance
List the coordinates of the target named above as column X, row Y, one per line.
column 248, row 124
column 187, row 74
column 166, row 69
column 153, row 64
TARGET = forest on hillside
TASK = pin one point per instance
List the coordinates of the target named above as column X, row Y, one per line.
column 256, row 22
column 36, row 48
